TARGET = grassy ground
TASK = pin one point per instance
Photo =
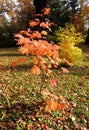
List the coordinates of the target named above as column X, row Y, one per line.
column 22, row 108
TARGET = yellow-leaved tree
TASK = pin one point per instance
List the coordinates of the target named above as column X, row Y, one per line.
column 68, row 39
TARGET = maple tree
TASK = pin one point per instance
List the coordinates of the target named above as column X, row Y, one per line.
column 84, row 15
column 33, row 42
column 24, row 11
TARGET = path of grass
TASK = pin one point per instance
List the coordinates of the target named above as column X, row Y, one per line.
column 21, row 107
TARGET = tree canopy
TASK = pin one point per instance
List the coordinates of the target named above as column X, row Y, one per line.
column 15, row 14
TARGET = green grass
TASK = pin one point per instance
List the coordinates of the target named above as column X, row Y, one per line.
column 22, row 108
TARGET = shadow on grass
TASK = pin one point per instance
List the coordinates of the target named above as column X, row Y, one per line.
column 22, row 67
column 80, row 71
column 75, row 70
column 2, row 55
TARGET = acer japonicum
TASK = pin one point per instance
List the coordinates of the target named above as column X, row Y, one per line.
column 34, row 42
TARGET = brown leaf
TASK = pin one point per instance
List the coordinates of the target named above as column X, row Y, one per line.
column 14, row 63
column 86, row 77
column 1, row 66
column 67, row 62
column 65, row 70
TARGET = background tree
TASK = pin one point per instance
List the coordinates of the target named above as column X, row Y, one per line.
column 24, row 12
column 80, row 14
column 84, row 15
column 60, row 12
column 14, row 16
column 6, row 7
column 75, row 12
column 6, row 13
column 39, row 5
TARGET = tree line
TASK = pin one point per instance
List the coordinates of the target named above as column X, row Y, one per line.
column 15, row 15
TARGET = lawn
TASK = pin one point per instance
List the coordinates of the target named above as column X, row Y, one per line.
column 23, row 108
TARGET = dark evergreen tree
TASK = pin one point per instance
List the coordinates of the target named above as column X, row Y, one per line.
column 74, row 10
column 39, row 5
column 60, row 12
column 74, row 5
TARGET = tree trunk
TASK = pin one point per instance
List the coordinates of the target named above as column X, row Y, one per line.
column 87, row 38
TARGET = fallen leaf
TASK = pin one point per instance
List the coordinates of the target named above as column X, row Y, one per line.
column 1, row 66
column 14, row 63
column 86, row 77
column 46, row 93
column 53, row 82
column 65, row 70
column 52, row 105
column 67, row 62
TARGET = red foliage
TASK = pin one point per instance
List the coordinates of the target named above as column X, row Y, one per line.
column 53, row 82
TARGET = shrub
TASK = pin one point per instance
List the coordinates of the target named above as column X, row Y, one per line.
column 68, row 39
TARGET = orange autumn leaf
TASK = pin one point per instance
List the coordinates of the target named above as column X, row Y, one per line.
column 44, row 25
column 35, row 70
column 35, row 61
column 27, row 33
column 46, row 11
column 14, row 63
column 24, row 50
column 42, row 66
column 52, row 105
column 22, row 41
column 33, row 23
column 21, row 60
column 18, row 35
column 36, row 34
